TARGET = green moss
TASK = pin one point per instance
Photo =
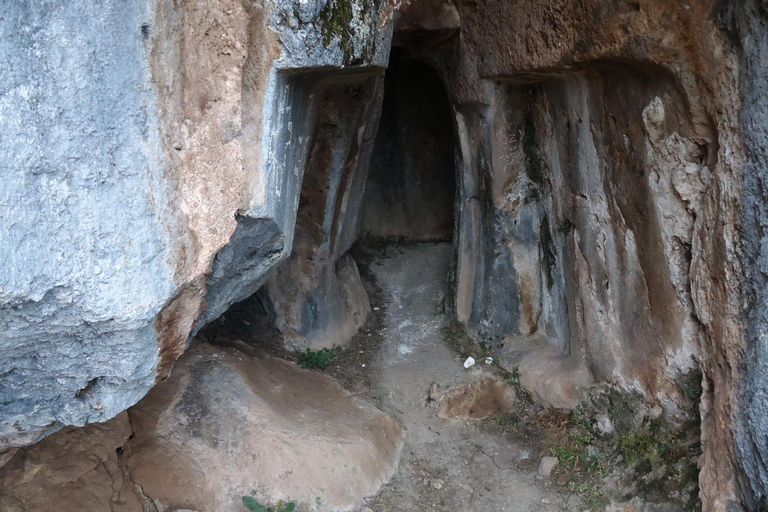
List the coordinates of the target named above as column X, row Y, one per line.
column 338, row 18
column 548, row 249
column 534, row 164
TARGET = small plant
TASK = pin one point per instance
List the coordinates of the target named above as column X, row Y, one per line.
column 507, row 420
column 514, row 381
column 598, row 465
column 566, row 455
column 593, row 496
column 255, row 506
column 639, row 445
column 316, row 359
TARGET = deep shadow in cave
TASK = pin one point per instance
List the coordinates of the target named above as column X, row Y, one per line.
column 411, row 185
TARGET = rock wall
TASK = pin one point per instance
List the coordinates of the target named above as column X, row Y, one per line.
column 749, row 22
column 609, row 158
column 601, row 223
column 154, row 154
column 87, row 231
column 589, row 187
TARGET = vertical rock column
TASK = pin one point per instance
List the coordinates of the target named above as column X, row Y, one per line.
column 317, row 297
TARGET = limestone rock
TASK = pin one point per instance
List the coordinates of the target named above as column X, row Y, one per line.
column 477, row 399
column 316, row 296
column 74, row 469
column 610, row 200
column 546, row 466
column 227, row 423
column 152, row 172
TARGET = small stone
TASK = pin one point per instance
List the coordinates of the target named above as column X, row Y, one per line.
column 545, row 501
column 562, row 480
column 437, row 483
column 376, row 308
column 546, row 466
column 470, row 362
column 434, row 391
column 366, row 509
column 488, row 360
column 604, row 424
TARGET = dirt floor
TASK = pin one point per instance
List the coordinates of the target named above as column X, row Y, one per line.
column 447, row 464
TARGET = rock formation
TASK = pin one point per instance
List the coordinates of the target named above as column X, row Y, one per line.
column 154, row 157
column 162, row 159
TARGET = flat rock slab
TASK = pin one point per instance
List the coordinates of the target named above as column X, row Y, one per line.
column 477, row 399
column 225, row 424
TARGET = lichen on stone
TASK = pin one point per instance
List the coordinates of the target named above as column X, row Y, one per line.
column 339, row 23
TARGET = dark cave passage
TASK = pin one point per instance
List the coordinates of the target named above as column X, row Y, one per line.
column 411, row 186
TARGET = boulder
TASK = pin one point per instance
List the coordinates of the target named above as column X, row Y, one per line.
column 229, row 424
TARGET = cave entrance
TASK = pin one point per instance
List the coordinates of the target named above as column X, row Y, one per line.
column 411, row 188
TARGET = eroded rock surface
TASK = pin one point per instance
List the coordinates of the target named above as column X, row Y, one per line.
column 154, row 155
column 227, row 423
column 477, row 399
column 610, row 206
column 600, row 185
column 316, row 296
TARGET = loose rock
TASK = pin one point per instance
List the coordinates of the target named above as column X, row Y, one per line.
column 546, row 466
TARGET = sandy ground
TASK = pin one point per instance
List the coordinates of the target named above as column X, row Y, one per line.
column 448, row 465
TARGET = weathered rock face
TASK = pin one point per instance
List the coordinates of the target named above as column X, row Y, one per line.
column 593, row 183
column 87, row 231
column 317, row 297
column 749, row 22
column 603, row 222
column 154, row 154
column 227, row 422
column 609, row 215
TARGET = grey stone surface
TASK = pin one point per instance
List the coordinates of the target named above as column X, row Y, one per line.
column 752, row 420
column 316, row 295
column 87, row 263
column 546, row 466
column 108, row 192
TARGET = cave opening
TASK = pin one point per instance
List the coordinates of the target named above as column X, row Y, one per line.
column 380, row 170
column 411, row 187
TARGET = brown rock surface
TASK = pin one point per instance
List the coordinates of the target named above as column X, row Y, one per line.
column 477, row 399
column 227, row 424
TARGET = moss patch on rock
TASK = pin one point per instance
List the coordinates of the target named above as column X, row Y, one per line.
column 338, row 23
